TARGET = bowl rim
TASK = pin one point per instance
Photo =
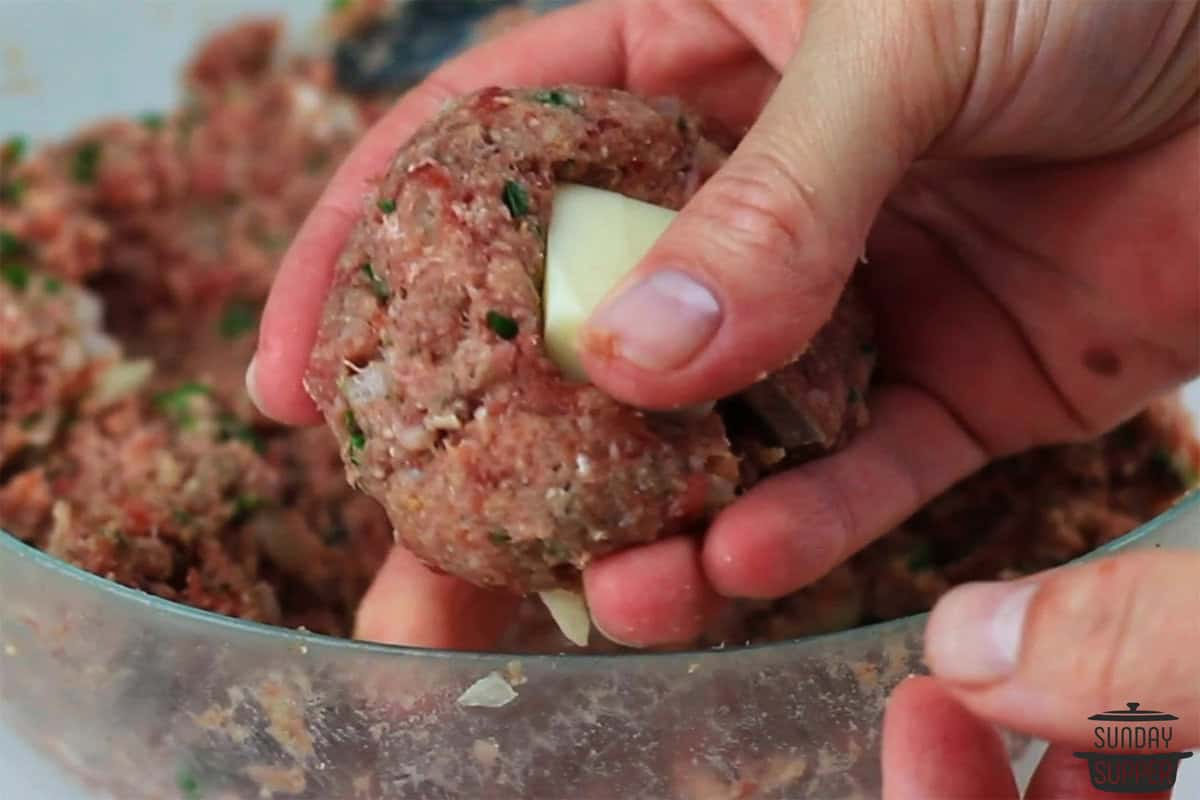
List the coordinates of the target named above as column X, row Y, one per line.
column 11, row 547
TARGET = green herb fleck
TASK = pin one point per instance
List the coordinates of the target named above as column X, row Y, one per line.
column 31, row 421
column 386, row 205
column 239, row 317
column 358, row 439
column 86, row 162
column 503, row 326
column 378, row 285
column 11, row 246
column 336, row 533
column 15, row 275
column 51, row 284
column 1163, row 461
column 182, row 517
column 316, row 162
column 554, row 550
column 920, row 558
column 245, row 504
column 867, row 348
column 12, row 191
column 516, row 199
column 13, row 151
column 499, row 536
column 189, row 785
column 556, row 97
column 176, row 403
column 233, row 428
column 853, row 395
column 152, row 121
column 338, row 5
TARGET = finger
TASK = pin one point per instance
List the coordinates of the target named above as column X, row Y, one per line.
column 593, row 43
column 755, row 262
column 795, row 527
column 408, row 604
column 651, row 595
column 1043, row 654
column 1062, row 776
column 935, row 748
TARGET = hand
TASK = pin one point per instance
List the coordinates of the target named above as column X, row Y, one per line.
column 1041, row 655
column 1032, row 249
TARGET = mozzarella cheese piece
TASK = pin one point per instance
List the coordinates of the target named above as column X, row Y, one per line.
column 596, row 238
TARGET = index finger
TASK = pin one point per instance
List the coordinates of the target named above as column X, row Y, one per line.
column 523, row 57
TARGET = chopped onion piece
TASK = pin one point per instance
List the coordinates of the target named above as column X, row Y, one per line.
column 490, row 691
column 121, row 380
column 570, row 612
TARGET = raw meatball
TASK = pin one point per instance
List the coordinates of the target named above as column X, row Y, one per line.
column 430, row 366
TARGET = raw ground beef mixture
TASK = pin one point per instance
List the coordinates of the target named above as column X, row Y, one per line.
column 128, row 446
column 431, row 370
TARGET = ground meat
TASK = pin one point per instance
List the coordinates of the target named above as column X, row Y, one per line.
column 1018, row 516
column 491, row 464
column 52, row 354
column 177, row 221
column 165, row 480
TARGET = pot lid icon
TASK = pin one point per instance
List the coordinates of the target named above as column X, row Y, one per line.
column 1133, row 714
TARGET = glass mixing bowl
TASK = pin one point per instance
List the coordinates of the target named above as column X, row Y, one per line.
column 137, row 697
column 143, row 698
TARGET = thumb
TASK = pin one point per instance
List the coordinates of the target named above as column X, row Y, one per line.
column 754, row 264
column 1044, row 653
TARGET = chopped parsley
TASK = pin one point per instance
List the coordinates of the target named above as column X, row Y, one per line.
column 867, row 348
column 238, row 318
column 189, row 785
column 499, row 536
column 516, row 199
column 11, row 246
column 30, row 421
column 378, row 284
column 13, row 151
column 853, row 395
column 920, row 558
column 12, row 191
column 358, row 439
column 51, row 284
column 386, row 205
column 176, row 403
column 336, row 533
column 15, row 275
column 556, row 97
column 1164, row 462
column 233, row 428
column 338, row 5
column 503, row 326
column 86, row 162
column 557, row 551
column 182, row 517
column 316, row 162
column 152, row 121
column 245, row 504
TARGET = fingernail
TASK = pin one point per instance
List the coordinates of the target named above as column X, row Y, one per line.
column 614, row 639
column 660, row 322
column 252, row 384
column 974, row 633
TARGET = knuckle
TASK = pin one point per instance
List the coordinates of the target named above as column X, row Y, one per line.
column 758, row 209
column 1085, row 629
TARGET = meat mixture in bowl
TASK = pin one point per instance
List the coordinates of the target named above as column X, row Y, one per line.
column 134, row 259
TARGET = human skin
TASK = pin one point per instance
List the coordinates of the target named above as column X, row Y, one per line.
column 1013, row 169
column 1022, row 179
